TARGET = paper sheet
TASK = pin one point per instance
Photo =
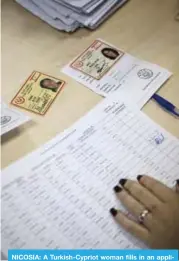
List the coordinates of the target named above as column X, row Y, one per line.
column 50, row 8
column 36, row 10
column 60, row 195
column 89, row 20
column 104, row 15
column 10, row 118
column 86, row 6
column 125, row 78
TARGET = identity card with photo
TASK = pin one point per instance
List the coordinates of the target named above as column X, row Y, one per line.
column 38, row 93
column 96, row 60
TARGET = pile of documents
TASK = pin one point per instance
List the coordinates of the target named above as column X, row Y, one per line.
column 68, row 15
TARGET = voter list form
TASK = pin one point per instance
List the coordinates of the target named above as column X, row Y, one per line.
column 59, row 196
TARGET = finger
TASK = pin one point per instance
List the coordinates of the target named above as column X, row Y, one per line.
column 160, row 190
column 133, row 206
column 143, row 195
column 130, row 225
column 177, row 186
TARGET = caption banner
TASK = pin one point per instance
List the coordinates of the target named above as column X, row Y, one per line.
column 93, row 255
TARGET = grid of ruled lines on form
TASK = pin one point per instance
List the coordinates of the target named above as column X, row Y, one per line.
column 67, row 204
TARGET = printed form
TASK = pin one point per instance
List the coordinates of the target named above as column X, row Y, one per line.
column 11, row 118
column 106, row 69
column 59, row 196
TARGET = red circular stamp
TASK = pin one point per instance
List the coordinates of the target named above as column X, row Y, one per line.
column 19, row 100
column 78, row 64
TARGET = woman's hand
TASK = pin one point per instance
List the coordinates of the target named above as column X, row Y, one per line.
column 155, row 206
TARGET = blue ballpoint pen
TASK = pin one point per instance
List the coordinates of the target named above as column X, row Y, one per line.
column 166, row 105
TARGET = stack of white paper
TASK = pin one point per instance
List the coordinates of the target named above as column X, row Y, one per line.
column 68, row 15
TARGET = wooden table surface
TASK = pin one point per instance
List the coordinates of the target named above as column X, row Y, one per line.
column 145, row 29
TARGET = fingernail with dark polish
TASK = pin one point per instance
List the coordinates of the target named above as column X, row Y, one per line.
column 113, row 212
column 177, row 182
column 139, row 177
column 122, row 182
column 117, row 189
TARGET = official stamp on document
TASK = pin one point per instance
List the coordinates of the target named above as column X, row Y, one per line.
column 97, row 59
column 5, row 119
column 145, row 73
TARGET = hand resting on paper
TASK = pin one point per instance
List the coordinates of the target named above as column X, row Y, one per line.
column 156, row 208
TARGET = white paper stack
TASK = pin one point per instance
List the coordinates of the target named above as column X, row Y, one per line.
column 68, row 15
